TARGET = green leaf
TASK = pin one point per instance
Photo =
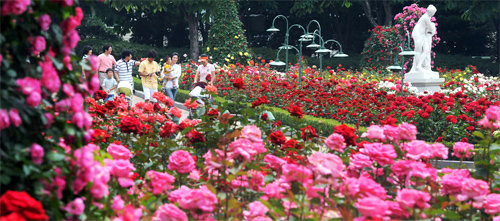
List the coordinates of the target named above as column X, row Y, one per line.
column 478, row 134
column 452, row 215
column 495, row 147
column 55, row 156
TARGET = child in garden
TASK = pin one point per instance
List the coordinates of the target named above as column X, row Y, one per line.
column 167, row 72
column 109, row 84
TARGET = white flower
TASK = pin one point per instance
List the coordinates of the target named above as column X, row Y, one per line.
column 185, row 55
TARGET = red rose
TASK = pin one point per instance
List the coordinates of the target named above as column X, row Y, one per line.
column 295, row 111
column 277, row 137
column 291, row 144
column 100, row 94
column 308, row 132
column 130, row 125
column 238, row 83
column 194, row 136
column 213, row 112
column 209, row 77
column 348, row 133
column 16, row 205
column 168, row 129
column 264, row 116
column 452, row 119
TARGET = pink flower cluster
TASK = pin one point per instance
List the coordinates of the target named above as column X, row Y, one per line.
column 8, row 118
column 201, row 202
column 181, row 161
column 15, row 7
column 249, row 144
column 491, row 119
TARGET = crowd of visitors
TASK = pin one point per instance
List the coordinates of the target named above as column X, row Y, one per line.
column 116, row 77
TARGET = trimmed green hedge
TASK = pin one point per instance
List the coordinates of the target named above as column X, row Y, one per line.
column 322, row 125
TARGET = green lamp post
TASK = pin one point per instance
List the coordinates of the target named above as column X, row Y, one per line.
column 323, row 50
column 274, row 29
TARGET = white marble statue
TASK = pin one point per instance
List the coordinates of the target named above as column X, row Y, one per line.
column 422, row 37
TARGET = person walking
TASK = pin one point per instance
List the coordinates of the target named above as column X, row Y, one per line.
column 172, row 84
column 124, row 67
column 205, row 73
column 87, row 51
column 149, row 71
column 105, row 62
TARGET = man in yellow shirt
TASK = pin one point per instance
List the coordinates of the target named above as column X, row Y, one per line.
column 149, row 72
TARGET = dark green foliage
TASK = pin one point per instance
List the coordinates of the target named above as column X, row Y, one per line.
column 227, row 42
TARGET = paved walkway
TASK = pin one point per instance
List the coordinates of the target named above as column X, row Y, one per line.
column 136, row 99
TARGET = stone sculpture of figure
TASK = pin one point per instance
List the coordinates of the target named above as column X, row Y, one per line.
column 422, row 37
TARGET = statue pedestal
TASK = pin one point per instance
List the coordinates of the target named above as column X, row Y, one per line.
column 430, row 85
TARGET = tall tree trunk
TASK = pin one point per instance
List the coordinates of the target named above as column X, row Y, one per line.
column 368, row 12
column 194, row 49
column 388, row 12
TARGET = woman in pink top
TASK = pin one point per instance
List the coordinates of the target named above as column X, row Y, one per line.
column 205, row 73
column 105, row 61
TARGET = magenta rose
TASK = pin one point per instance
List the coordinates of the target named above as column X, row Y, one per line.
column 44, row 21
column 493, row 113
column 15, row 7
column 161, row 182
column 492, row 205
column 181, row 161
column 410, row 198
column 37, row 153
column 336, row 142
column 372, row 207
column 15, row 119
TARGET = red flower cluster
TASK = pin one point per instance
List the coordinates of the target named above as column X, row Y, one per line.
column 260, row 101
column 19, row 206
column 308, row 132
column 239, row 83
column 100, row 94
column 168, row 129
column 295, row 110
column 194, row 136
column 130, row 125
column 348, row 133
column 277, row 137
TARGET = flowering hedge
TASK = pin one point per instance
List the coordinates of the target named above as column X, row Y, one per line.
column 381, row 48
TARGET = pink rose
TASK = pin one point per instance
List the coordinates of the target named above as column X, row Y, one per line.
column 169, row 212
column 493, row 113
column 246, row 149
column 34, row 99
column 121, row 168
column 326, row 164
column 44, row 21
column 68, row 90
column 256, row 211
column 181, row 161
column 407, row 131
column 99, row 189
column 336, row 142
column 50, row 78
column 392, row 133
column 15, row 7
column 275, row 190
column 4, row 119
column 382, row 153
column 75, row 207
column 439, row 151
column 29, row 85
column 194, row 175
column 372, row 207
column 77, row 103
column 418, row 149
column 82, row 120
column 38, row 45
column 410, row 198
column 37, row 153
column 462, row 149
column 364, row 186
column 71, row 39
column 374, row 132
column 15, row 119
column 360, row 161
column 130, row 214
column 252, row 133
column 161, row 182
column 274, row 162
column 118, row 203
column 474, row 189
column 179, row 193
column 119, row 152
column 197, row 200
column 492, row 204
column 294, row 172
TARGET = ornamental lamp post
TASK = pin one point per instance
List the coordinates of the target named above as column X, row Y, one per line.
column 274, row 29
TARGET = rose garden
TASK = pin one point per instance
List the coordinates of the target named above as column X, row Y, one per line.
column 265, row 143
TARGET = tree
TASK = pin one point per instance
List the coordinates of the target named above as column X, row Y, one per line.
column 226, row 38
column 190, row 10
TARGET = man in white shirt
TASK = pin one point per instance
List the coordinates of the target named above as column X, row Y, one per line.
column 205, row 73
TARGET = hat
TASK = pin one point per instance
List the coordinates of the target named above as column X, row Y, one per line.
column 203, row 58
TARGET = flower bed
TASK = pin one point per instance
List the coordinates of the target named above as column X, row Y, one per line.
column 356, row 98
